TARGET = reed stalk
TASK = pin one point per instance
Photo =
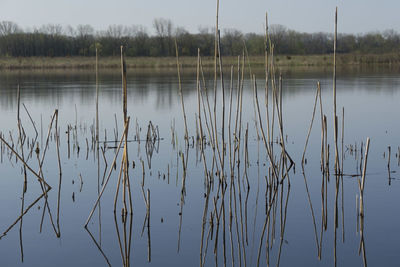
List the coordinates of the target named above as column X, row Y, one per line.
column 309, row 129
column 362, row 184
column 335, row 130
column 180, row 91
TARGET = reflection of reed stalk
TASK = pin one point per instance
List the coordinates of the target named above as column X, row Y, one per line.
column 21, row 142
column 25, row 211
column 388, row 165
column 148, row 226
column 109, row 174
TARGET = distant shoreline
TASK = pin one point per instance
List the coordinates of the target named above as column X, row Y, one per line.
column 48, row 63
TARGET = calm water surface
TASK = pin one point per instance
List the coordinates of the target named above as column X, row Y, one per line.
column 294, row 232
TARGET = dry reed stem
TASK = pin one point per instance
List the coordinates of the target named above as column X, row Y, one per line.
column 335, row 130
column 180, row 91
column 60, row 174
column 269, row 153
column 311, row 124
column 221, row 73
column 362, row 184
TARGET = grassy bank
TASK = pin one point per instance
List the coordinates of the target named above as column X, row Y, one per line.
column 170, row 62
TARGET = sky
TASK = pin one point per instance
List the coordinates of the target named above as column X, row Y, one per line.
column 354, row 16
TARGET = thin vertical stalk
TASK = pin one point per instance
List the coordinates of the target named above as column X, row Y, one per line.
column 180, row 90
column 335, row 133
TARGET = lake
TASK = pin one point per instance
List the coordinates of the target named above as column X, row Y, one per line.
column 248, row 216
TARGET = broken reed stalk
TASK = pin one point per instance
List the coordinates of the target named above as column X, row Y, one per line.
column 58, row 144
column 109, row 174
column 362, row 184
column 311, row 124
column 269, row 153
column 30, row 118
column 60, row 174
column 322, row 128
column 180, row 91
column 24, row 163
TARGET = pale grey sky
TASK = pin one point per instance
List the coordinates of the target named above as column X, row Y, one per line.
column 355, row 16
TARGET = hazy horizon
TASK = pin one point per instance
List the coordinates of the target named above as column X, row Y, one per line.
column 306, row 16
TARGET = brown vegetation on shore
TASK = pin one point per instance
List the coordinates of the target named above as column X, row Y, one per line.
column 170, row 62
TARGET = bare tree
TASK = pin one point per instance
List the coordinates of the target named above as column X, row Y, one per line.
column 232, row 42
column 84, row 30
column 115, row 31
column 70, row 31
column 205, row 30
column 164, row 29
column 134, row 30
column 52, row 29
column 85, row 39
column 8, row 27
column 277, row 34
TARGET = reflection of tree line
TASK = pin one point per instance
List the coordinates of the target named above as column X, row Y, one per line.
column 227, row 189
column 56, row 88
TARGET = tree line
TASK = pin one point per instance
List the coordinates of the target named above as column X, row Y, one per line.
column 53, row 40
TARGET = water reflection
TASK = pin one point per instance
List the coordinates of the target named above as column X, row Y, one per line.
column 237, row 203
